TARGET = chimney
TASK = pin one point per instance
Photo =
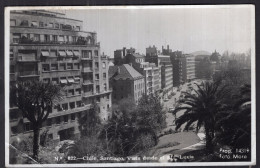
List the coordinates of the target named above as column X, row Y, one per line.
column 162, row 48
column 168, row 47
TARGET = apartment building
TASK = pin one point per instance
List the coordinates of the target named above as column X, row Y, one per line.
column 50, row 47
column 183, row 67
column 149, row 70
column 126, row 82
column 120, row 54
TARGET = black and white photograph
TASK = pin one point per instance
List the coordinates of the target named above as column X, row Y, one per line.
column 130, row 86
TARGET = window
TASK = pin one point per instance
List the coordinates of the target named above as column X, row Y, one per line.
column 104, row 75
column 16, row 37
column 57, row 26
column 55, row 80
column 14, row 115
column 54, row 67
column 34, row 24
column 62, row 66
column 78, row 91
column 97, row 77
column 24, row 23
column 51, row 25
column 76, row 66
column 98, row 99
column 86, row 54
column 57, row 120
column 64, row 106
column 105, row 86
column 65, row 118
column 36, row 37
column 71, row 92
column 107, row 97
column 12, row 69
column 11, row 54
column 61, row 39
column 72, row 105
column 45, row 67
column 108, row 106
column 96, row 65
column 72, row 117
column 96, row 52
column 74, row 38
column 12, row 22
column 78, row 28
column 79, row 103
column 41, row 24
column 69, row 66
column 55, row 38
column 46, row 38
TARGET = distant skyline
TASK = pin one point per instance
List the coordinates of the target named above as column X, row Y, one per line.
column 184, row 29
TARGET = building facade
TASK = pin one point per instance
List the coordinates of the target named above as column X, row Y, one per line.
column 163, row 62
column 183, row 67
column 126, row 82
column 49, row 47
column 150, row 71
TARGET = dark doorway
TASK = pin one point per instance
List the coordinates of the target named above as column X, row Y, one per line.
column 66, row 134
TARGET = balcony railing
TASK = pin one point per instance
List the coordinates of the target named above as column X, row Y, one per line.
column 28, row 73
column 87, row 70
column 87, row 82
column 87, row 94
column 30, row 41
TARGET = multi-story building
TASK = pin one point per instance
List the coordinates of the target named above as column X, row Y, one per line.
column 50, row 47
column 183, row 67
column 149, row 70
column 164, row 64
column 119, row 55
column 126, row 83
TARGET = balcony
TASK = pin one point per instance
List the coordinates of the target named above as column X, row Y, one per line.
column 87, row 82
column 86, row 70
column 28, row 73
column 88, row 94
column 86, row 58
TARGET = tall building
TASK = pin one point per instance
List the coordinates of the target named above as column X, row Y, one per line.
column 165, row 67
column 183, row 67
column 50, row 47
column 119, row 55
column 149, row 70
column 126, row 83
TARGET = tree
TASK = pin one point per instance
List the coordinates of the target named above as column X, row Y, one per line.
column 90, row 123
column 35, row 99
column 202, row 108
column 150, row 113
column 234, row 126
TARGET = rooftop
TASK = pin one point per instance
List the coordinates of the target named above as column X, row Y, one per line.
column 123, row 72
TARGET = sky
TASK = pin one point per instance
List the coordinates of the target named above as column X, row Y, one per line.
column 186, row 29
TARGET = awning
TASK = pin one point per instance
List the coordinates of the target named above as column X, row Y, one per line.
column 76, row 53
column 45, row 53
column 71, row 80
column 69, row 53
column 34, row 24
column 63, row 81
column 62, row 53
column 77, row 79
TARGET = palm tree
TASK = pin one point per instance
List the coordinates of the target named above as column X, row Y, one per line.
column 35, row 99
column 235, row 125
column 202, row 108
